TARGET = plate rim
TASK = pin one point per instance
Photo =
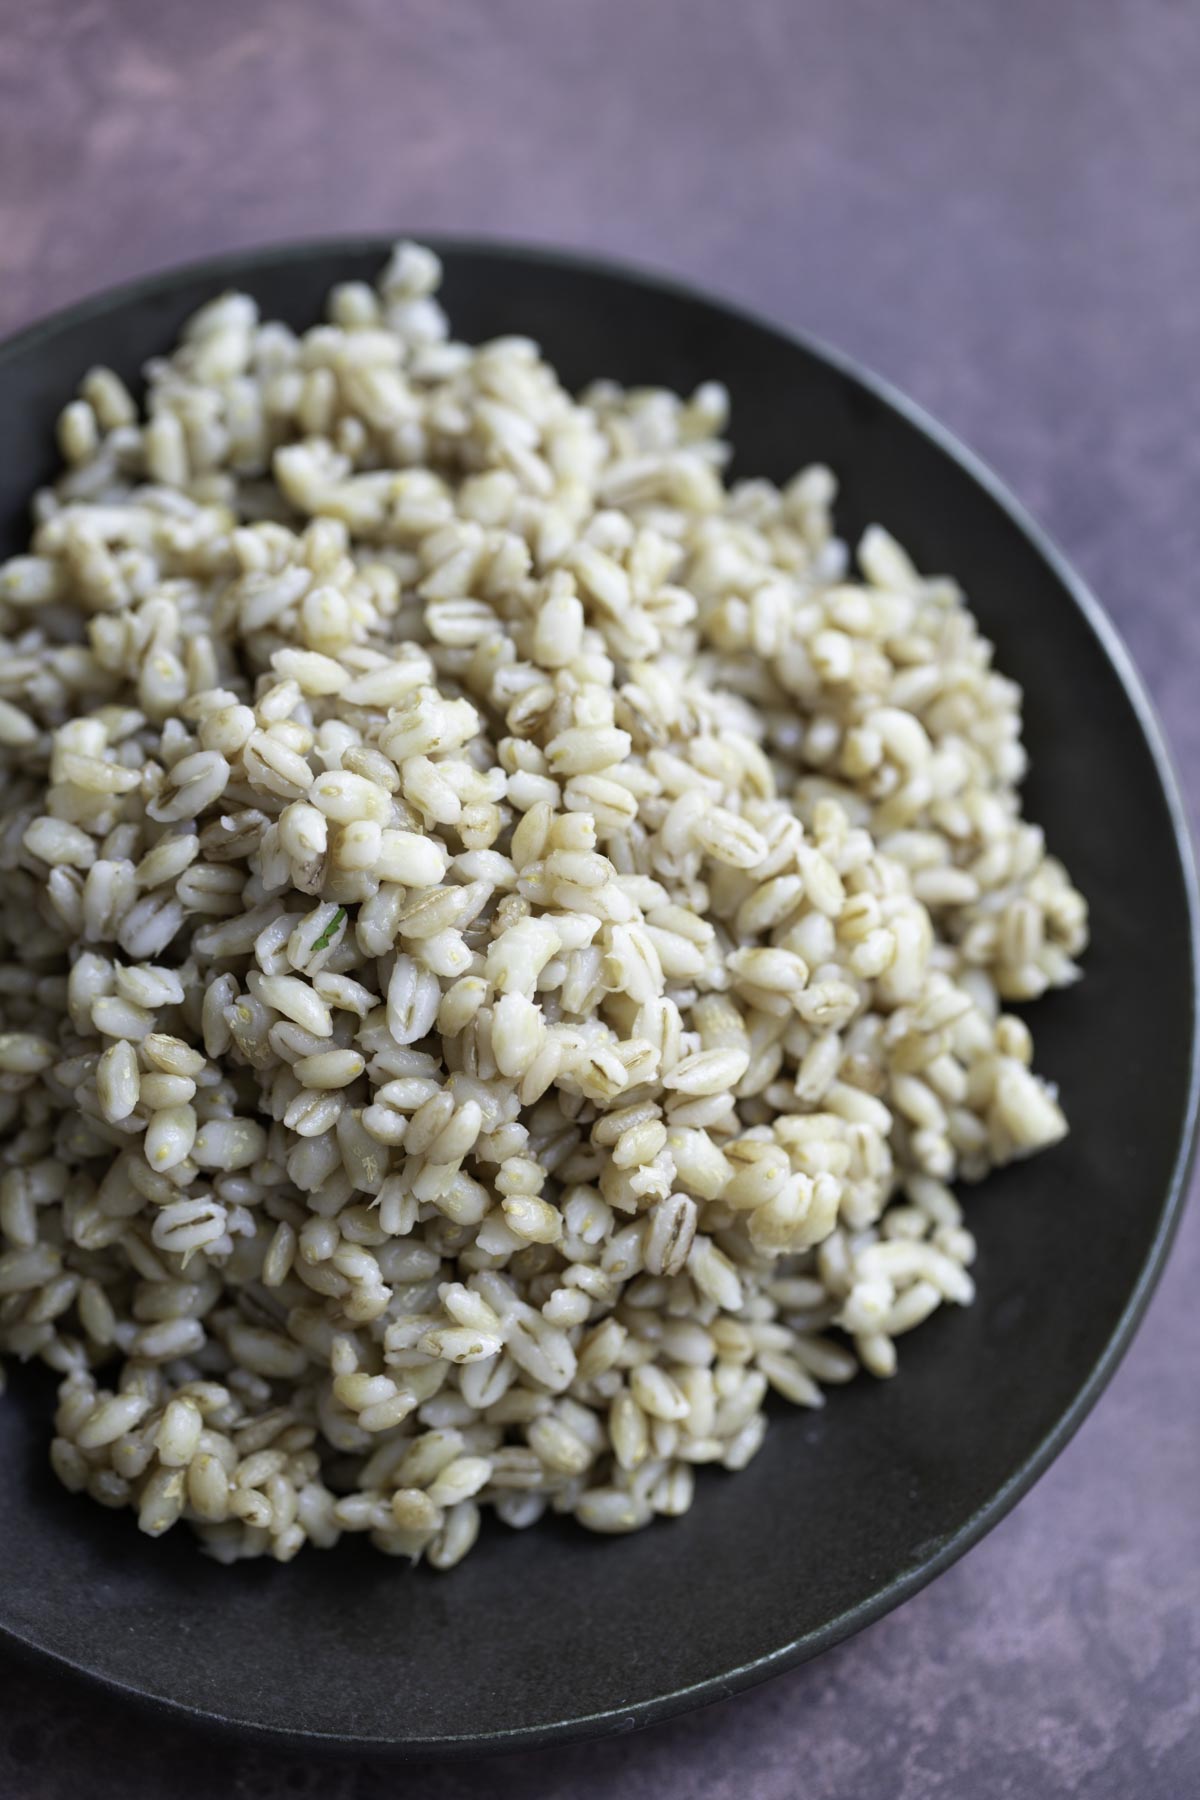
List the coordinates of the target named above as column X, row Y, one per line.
column 238, row 264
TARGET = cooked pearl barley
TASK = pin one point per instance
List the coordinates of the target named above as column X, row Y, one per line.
column 228, row 1144
column 500, row 967
column 708, row 1072
column 170, row 1136
column 117, row 1081
column 329, row 1069
column 296, row 1000
column 111, row 1419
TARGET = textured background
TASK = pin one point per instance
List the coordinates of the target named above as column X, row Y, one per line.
column 998, row 207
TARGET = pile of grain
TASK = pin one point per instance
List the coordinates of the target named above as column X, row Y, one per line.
column 502, row 943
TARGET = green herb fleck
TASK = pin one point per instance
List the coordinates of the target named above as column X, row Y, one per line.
column 331, row 930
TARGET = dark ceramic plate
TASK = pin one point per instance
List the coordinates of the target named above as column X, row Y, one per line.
column 553, row 1633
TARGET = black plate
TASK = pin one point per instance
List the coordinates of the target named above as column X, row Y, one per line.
column 553, row 1633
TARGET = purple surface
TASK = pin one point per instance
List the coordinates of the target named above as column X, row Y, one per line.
column 998, row 207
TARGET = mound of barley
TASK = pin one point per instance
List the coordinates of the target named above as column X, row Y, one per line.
column 503, row 938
